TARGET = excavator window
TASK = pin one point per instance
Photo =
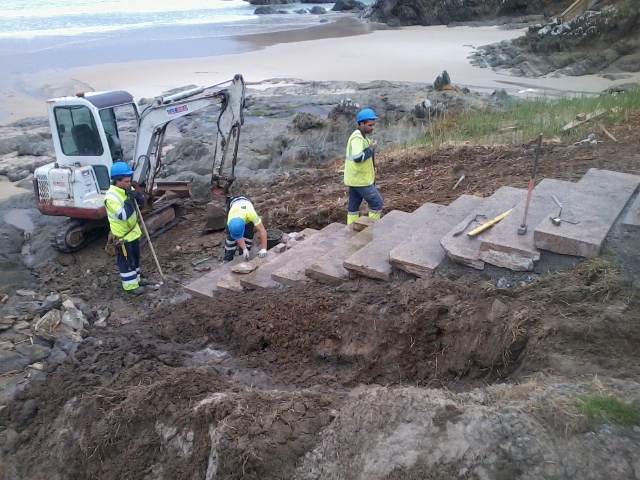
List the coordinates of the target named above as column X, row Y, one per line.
column 84, row 139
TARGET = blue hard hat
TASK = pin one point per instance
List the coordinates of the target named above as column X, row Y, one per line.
column 120, row 170
column 366, row 114
column 236, row 228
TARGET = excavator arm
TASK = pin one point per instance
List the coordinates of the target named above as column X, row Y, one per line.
column 155, row 119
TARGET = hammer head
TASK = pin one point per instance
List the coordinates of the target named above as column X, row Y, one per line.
column 556, row 221
column 522, row 230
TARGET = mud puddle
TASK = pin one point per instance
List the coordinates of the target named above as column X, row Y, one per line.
column 227, row 366
column 20, row 218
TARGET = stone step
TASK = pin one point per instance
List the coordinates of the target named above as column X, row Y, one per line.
column 373, row 260
column 502, row 246
column 596, row 202
column 231, row 281
column 330, row 267
column 263, row 276
column 293, row 274
column 421, row 253
column 466, row 250
column 632, row 218
column 205, row 286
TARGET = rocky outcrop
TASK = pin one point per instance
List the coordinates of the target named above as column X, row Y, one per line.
column 348, row 5
column 444, row 12
column 271, row 2
column 268, row 10
column 605, row 40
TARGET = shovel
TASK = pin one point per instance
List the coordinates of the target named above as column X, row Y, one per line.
column 461, row 173
column 163, row 286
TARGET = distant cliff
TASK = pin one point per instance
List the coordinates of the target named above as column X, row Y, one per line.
column 443, row 12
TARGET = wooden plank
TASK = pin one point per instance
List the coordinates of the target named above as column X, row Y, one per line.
column 589, row 116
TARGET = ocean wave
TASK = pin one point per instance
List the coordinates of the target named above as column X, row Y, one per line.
column 16, row 9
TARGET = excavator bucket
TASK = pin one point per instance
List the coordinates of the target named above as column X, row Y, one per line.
column 217, row 210
column 216, row 216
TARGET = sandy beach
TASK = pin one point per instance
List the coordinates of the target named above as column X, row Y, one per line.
column 410, row 54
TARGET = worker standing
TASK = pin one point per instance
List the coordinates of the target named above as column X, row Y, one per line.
column 360, row 169
column 123, row 222
column 241, row 220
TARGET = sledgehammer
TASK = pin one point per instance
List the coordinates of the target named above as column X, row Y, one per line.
column 522, row 229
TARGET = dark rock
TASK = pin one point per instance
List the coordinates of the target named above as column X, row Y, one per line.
column 301, row 11
column 10, row 441
column 304, row 121
column 66, row 344
column 271, row 2
column 19, row 175
column 130, row 359
column 442, row 81
column 29, row 410
column 52, row 301
column 265, row 10
column 57, row 356
column 31, row 148
column 347, row 110
column 12, row 361
column 394, row 23
column 34, row 352
column 343, row 5
column 318, row 10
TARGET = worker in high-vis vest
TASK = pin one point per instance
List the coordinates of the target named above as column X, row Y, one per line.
column 360, row 168
column 241, row 220
column 123, row 222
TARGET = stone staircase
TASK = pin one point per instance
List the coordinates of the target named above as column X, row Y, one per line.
column 420, row 241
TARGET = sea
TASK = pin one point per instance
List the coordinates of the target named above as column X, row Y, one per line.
column 55, row 18
column 41, row 34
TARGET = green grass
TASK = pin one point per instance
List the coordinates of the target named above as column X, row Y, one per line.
column 524, row 120
column 609, row 409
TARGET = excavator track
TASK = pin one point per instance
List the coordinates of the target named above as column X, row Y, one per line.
column 76, row 234
column 161, row 218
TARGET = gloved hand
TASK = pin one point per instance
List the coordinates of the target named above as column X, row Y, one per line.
column 245, row 254
column 262, row 253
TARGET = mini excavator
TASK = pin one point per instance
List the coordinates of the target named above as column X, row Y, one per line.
column 91, row 131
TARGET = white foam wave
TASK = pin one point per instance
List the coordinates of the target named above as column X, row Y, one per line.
column 15, row 9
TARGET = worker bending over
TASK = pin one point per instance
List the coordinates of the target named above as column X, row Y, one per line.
column 241, row 219
column 123, row 222
column 360, row 168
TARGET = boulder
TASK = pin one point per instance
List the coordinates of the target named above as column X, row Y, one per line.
column 11, row 361
column 343, row 5
column 347, row 109
column 271, row 2
column 265, row 10
column 304, row 121
column 442, row 81
column 317, row 10
column 34, row 352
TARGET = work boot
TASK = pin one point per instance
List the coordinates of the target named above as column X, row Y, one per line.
column 143, row 282
column 136, row 291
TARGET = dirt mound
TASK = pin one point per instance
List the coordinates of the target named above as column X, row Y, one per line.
column 500, row 433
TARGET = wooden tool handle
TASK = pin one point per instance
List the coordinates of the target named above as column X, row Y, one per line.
column 489, row 224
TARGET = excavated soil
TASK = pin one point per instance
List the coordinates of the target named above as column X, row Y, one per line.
column 242, row 386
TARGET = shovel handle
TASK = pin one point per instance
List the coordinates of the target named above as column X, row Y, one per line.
column 153, row 251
